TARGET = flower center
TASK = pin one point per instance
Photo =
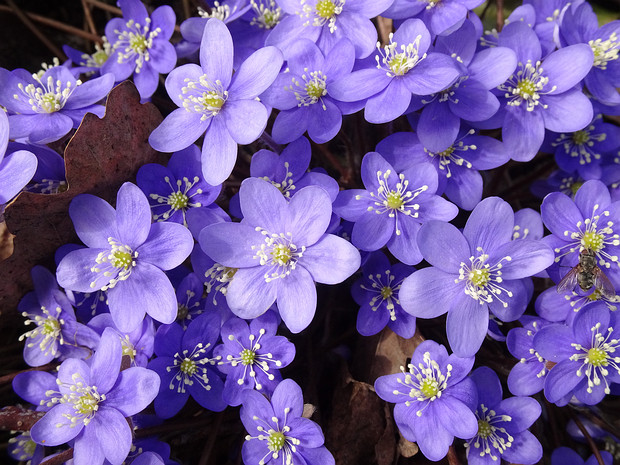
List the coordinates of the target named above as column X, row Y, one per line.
column 482, row 281
column 276, row 441
column 83, row 398
column 47, row 335
column 581, row 137
column 425, row 382
column 247, row 356
column 492, row 438
column 311, row 90
column 286, row 186
column 592, row 241
column 396, row 199
column 203, row 96
column 526, row 86
column 128, row 348
column 134, row 42
column 582, row 144
column 397, row 61
column 605, row 50
column 190, row 368
column 49, row 97
column 279, row 253
column 386, row 292
column 180, row 198
column 221, row 12
column 325, row 9
column 115, row 264
column 324, row 12
column 484, row 429
column 267, row 15
column 598, row 358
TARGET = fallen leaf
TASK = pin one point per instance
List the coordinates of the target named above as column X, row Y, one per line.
column 100, row 157
column 360, row 430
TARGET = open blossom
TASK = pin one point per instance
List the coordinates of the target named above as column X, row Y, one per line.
column 251, row 356
column 43, row 107
column 502, row 424
column 216, row 103
column 280, row 249
column 93, row 402
column 187, row 366
column 434, row 399
column 473, row 272
column 126, row 256
column 586, row 355
column 140, row 45
column 404, row 68
column 277, row 432
column 399, row 196
column 587, row 222
column 542, row 93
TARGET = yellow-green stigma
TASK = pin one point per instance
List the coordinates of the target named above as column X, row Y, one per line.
column 479, row 277
column 430, row 388
column 581, row 137
column 138, row 43
column 121, row 259
column 178, row 200
column 247, row 356
column 592, row 241
column 597, row 357
column 484, row 429
column 387, row 292
column 276, row 441
column 394, row 200
column 325, row 9
column 188, row 367
column 526, row 89
column 281, row 254
column 212, row 100
column 574, row 187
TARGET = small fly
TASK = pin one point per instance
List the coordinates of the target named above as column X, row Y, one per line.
column 586, row 274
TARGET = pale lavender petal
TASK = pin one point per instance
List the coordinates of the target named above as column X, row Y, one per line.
column 466, row 326
column 489, row 225
column 113, row 434
column 216, row 52
column 256, row 73
column 133, row 215
column 178, row 130
column 443, row 245
column 245, row 120
column 309, row 215
column 430, row 292
column 219, row 153
column 94, row 220
column 135, row 390
column 248, row 294
column 297, row 299
column 167, row 245
column 331, row 260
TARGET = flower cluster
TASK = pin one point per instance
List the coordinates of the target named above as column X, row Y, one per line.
column 196, row 282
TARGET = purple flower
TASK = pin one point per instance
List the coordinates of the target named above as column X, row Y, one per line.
column 587, row 222
column 542, row 93
column 277, row 433
column 125, row 256
column 212, row 103
column 457, row 161
column 288, row 171
column 302, row 92
column 251, row 356
column 22, row 448
column 434, row 399
column 585, row 355
column 580, row 26
column 528, row 376
column 441, row 16
column 94, row 401
column 404, row 68
column 89, row 63
column 189, row 297
column 588, row 150
column 16, row 169
column 44, row 107
column 325, row 22
column 280, row 250
column 566, row 456
column 502, row 425
column 57, row 334
column 470, row 97
column 186, row 366
column 399, row 197
column 472, row 272
column 137, row 344
column 141, row 45
column 377, row 294
column 174, row 190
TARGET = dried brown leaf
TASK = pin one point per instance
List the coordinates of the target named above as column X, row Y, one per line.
column 101, row 156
